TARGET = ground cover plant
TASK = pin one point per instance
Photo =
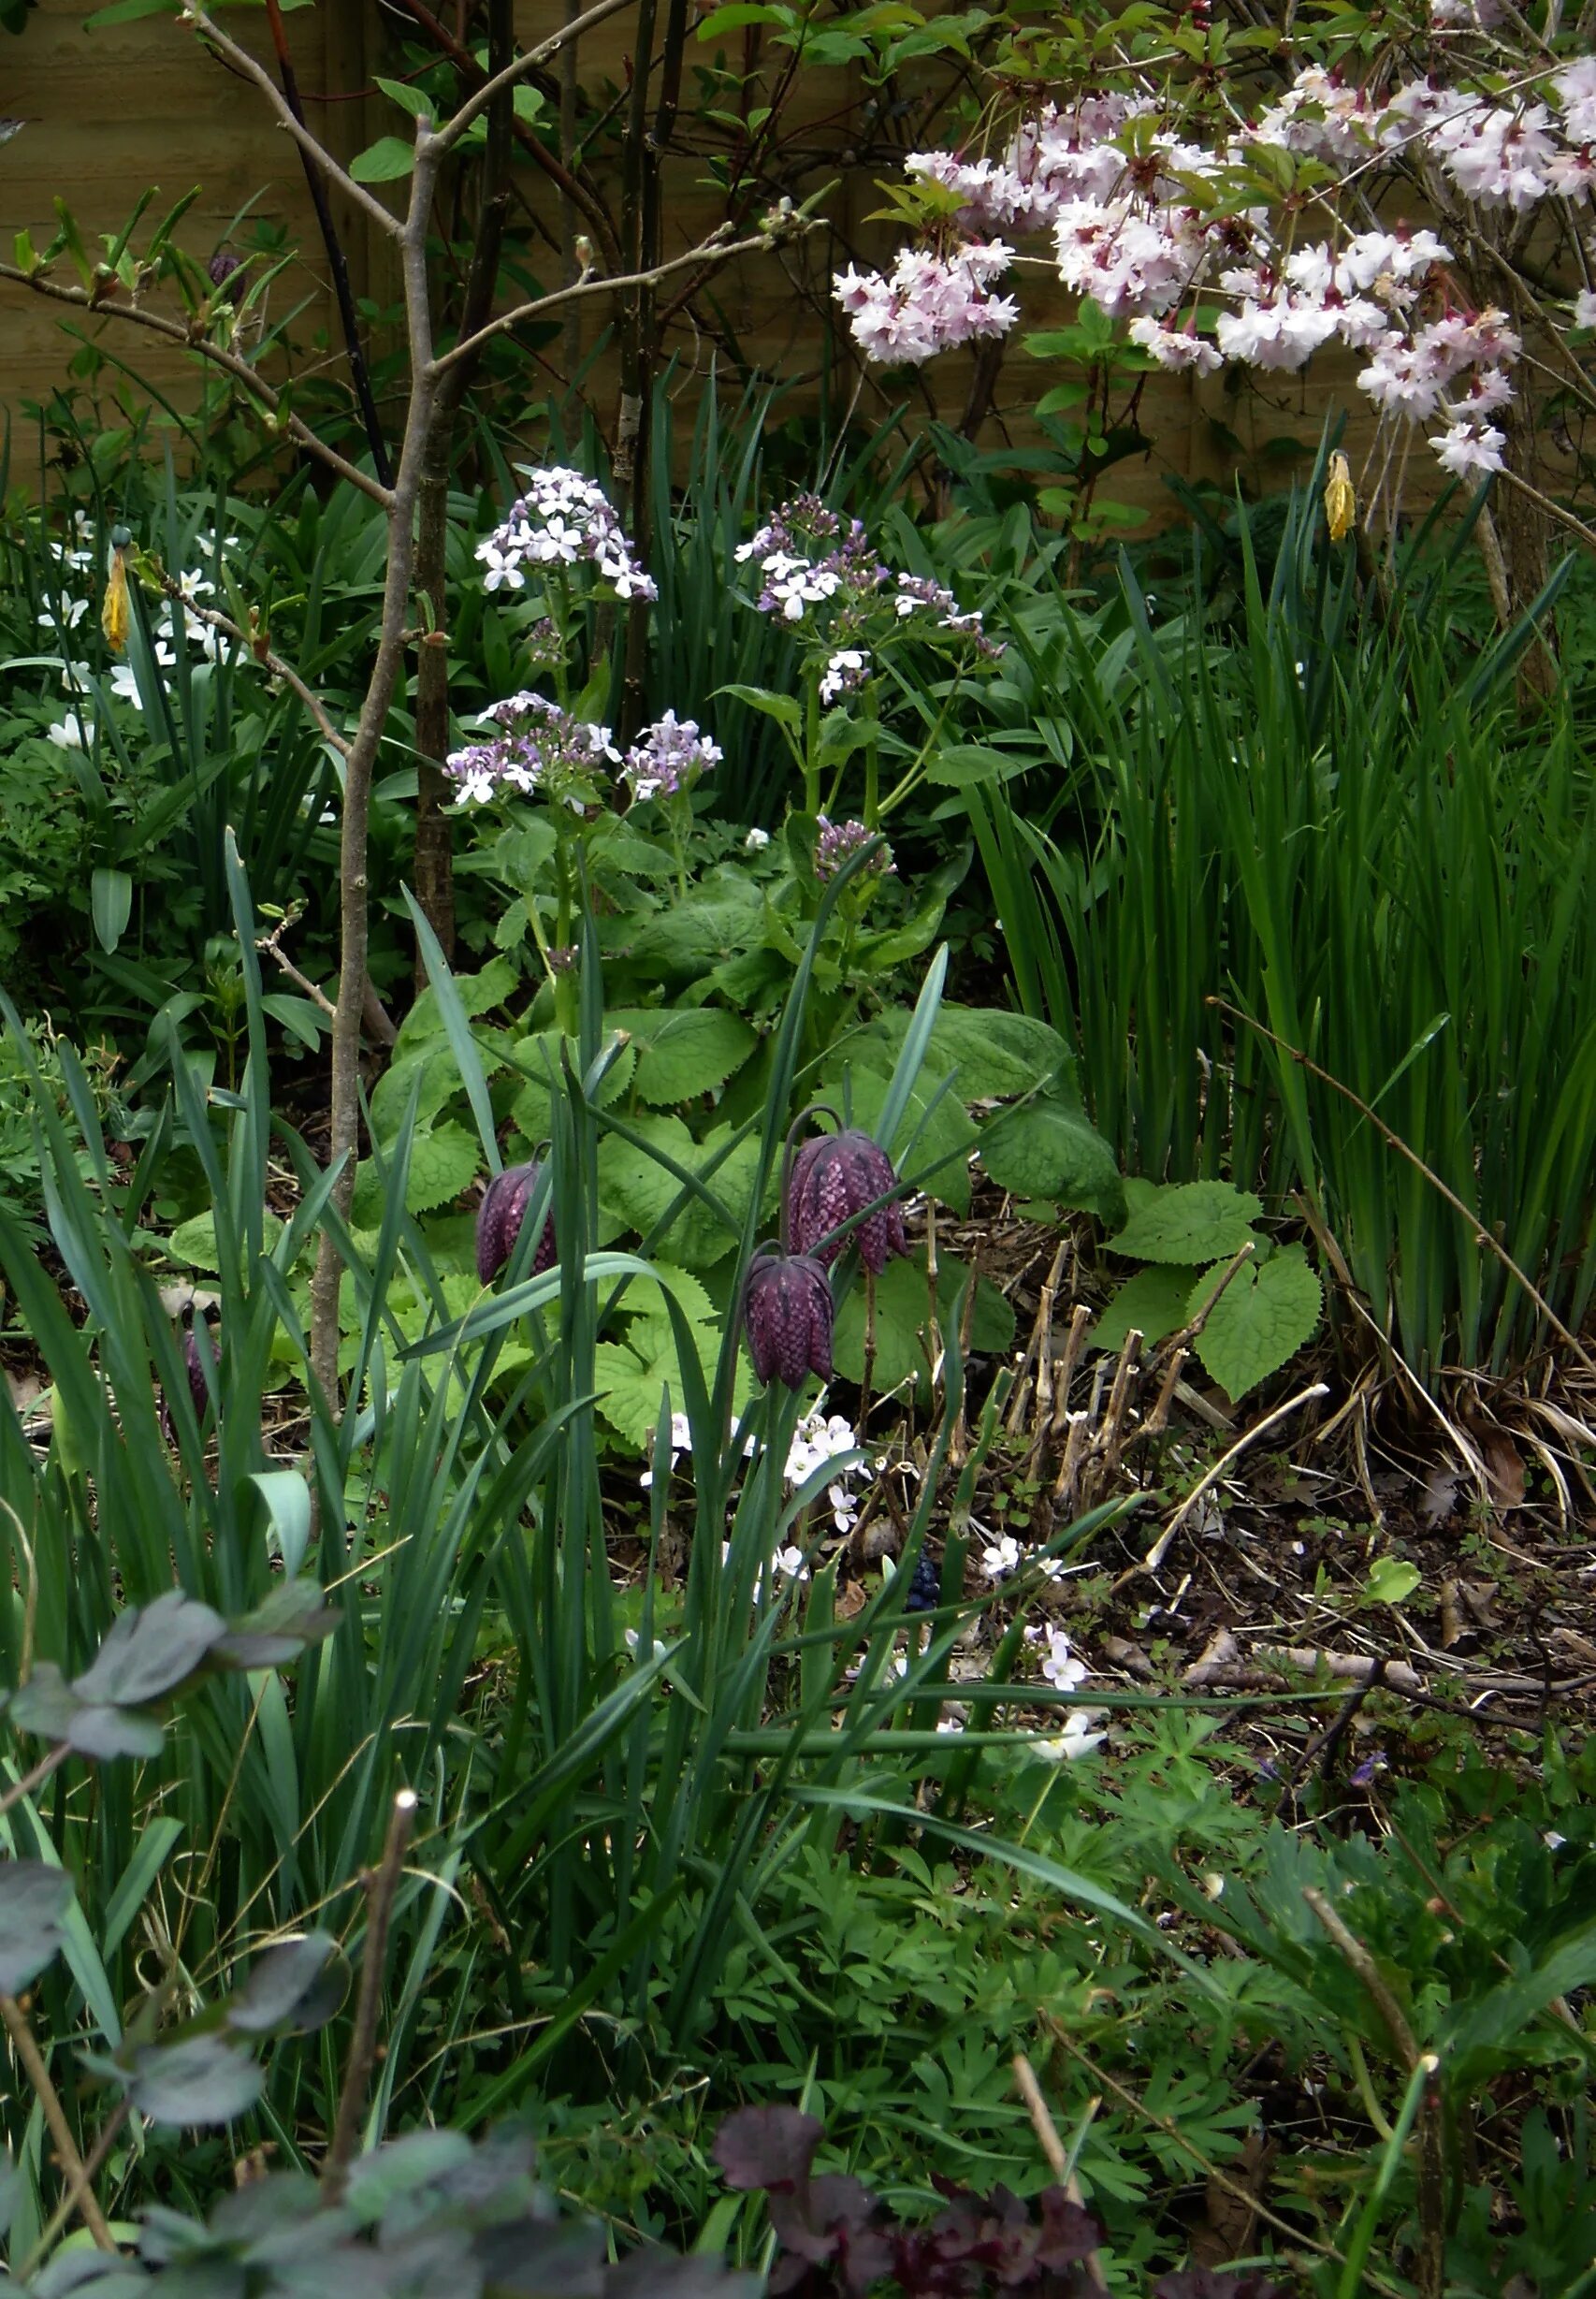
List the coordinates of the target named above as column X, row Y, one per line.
column 795, row 1456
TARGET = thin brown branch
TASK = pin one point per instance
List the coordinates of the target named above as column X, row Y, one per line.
column 1052, row 2147
column 25, row 2045
column 380, row 1895
column 1357, row 1957
column 260, row 653
column 567, row 180
column 1204, row 2161
column 315, row 153
column 216, row 355
column 521, row 68
column 707, row 252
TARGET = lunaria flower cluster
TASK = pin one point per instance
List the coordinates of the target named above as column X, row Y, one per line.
column 1109, row 179
column 539, row 747
column 562, row 521
column 822, row 574
column 670, row 756
column 838, row 841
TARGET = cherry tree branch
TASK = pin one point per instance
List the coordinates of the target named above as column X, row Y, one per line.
column 217, row 356
column 478, row 101
column 315, row 153
column 714, row 250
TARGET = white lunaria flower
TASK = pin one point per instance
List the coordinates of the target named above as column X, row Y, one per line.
column 1075, row 1740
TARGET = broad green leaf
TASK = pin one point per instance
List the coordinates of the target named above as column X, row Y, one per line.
column 199, row 2079
column 905, row 1344
column 110, row 905
column 297, row 1986
column 382, row 162
column 685, row 1053
column 1261, row 1319
column 995, row 1056
column 1047, row 1149
column 1390, row 1581
column 195, row 1242
column 1154, row 1302
column 636, row 1185
column 148, row 1653
column 1187, row 1221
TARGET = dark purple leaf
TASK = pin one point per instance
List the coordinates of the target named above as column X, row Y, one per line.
column 767, row 2147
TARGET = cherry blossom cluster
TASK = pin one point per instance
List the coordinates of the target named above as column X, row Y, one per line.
column 1109, row 179
column 539, row 747
column 562, row 520
column 671, row 757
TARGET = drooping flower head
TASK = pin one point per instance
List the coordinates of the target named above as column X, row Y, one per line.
column 835, row 1176
column 198, row 1356
column 787, row 1316
column 500, row 1217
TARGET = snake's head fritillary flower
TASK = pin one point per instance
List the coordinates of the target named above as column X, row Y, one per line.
column 498, row 1221
column 787, row 1315
column 835, row 1176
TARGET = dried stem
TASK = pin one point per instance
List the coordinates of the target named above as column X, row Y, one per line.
column 1052, row 2147
column 25, row 2045
column 380, row 1889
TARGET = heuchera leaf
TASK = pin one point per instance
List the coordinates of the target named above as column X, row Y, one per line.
column 767, row 2147
column 34, row 1900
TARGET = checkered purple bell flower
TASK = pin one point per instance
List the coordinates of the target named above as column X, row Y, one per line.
column 787, row 1315
column 498, row 1221
column 835, row 1176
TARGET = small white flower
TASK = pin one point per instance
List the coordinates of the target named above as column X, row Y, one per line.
column 755, row 841
column 1075, row 1740
column 1001, row 1557
column 634, row 1641
column 790, row 1563
column 69, row 734
column 1061, row 1667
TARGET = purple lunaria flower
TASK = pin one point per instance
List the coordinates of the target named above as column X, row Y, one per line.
column 835, row 1176
column 671, row 757
column 498, row 1220
column 562, row 520
column 787, row 1315
column 838, row 841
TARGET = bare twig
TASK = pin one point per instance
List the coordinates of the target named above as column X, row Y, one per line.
column 1156, row 1555
column 260, row 652
column 25, row 2045
column 380, row 1894
column 521, row 68
column 712, row 251
column 1052, row 2147
column 315, row 154
column 215, row 354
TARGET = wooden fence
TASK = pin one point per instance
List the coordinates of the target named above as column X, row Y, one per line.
column 114, row 110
